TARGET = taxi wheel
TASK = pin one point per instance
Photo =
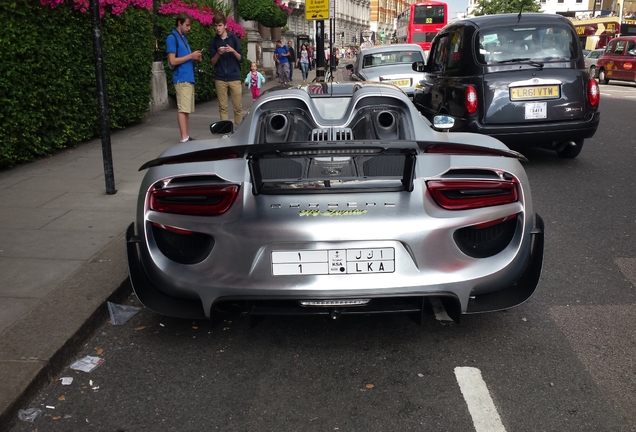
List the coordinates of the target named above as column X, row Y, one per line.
column 601, row 77
column 571, row 151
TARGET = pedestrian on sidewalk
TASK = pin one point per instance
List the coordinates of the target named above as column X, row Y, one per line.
column 253, row 80
column 311, row 57
column 226, row 54
column 303, row 60
column 292, row 59
column 181, row 60
column 281, row 57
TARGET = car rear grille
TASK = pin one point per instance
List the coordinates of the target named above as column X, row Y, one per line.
column 183, row 248
column 485, row 242
column 332, row 134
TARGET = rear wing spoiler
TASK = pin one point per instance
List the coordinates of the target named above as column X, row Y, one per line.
column 259, row 150
column 328, row 167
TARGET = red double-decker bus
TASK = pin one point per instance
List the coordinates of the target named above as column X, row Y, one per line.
column 420, row 23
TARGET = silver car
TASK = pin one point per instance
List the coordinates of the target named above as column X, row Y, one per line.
column 591, row 59
column 390, row 64
column 335, row 199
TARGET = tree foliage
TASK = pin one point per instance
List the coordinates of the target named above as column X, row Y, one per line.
column 494, row 7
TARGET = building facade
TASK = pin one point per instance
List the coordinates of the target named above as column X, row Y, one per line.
column 349, row 18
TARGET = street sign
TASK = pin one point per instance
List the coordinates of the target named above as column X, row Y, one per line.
column 316, row 10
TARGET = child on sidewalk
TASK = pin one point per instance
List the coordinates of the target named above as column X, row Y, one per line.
column 253, row 80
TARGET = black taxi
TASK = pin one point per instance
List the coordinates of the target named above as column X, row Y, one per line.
column 520, row 78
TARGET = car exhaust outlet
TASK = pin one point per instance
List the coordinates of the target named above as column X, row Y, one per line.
column 564, row 144
column 386, row 120
column 278, row 123
column 335, row 314
column 386, row 126
column 277, row 128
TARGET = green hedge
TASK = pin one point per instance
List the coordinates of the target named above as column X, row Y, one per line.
column 48, row 97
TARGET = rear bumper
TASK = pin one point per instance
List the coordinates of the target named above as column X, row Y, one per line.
column 278, row 304
column 537, row 134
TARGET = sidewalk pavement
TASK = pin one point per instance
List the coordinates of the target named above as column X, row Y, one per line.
column 62, row 246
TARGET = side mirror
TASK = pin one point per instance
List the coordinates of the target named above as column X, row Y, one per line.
column 418, row 66
column 443, row 122
column 222, row 127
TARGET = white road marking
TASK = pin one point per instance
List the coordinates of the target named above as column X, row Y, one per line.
column 480, row 404
column 438, row 309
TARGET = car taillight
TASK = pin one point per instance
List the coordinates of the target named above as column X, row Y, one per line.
column 471, row 99
column 465, row 195
column 593, row 93
column 210, row 200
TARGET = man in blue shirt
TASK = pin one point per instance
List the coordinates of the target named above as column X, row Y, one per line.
column 281, row 57
column 226, row 54
column 181, row 59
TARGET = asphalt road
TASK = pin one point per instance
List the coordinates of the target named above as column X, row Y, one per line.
column 564, row 361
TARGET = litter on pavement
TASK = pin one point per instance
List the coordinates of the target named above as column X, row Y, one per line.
column 29, row 414
column 87, row 363
column 119, row 313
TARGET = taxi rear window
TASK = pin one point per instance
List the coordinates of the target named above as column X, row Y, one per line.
column 500, row 45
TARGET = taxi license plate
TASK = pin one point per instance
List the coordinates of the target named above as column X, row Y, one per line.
column 538, row 92
column 333, row 261
column 400, row 82
column 536, row 110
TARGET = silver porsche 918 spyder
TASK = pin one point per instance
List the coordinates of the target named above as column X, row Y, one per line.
column 335, row 199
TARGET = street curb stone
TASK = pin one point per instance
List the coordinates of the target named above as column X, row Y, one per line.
column 36, row 348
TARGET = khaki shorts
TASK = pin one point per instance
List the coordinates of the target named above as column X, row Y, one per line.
column 185, row 97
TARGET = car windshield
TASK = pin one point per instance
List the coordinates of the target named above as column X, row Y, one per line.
column 505, row 45
column 389, row 58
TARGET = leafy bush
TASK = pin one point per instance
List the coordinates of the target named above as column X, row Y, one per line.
column 51, row 50
column 48, row 44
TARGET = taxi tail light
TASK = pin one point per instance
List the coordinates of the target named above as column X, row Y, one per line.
column 466, row 195
column 471, row 99
column 593, row 92
column 208, row 200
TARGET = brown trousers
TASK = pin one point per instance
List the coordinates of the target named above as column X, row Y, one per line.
column 235, row 90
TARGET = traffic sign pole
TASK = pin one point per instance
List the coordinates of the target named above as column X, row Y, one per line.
column 318, row 10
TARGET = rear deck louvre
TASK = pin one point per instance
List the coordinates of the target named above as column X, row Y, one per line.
column 332, row 134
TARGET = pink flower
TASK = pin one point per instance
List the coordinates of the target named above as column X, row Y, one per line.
column 205, row 15
column 116, row 7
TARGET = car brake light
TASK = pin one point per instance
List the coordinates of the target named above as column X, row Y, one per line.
column 465, row 195
column 494, row 222
column 173, row 229
column 593, row 93
column 209, row 200
column 471, row 99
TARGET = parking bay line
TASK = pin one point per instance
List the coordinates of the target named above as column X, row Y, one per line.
column 480, row 404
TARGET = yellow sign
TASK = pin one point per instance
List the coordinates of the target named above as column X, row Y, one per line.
column 316, row 10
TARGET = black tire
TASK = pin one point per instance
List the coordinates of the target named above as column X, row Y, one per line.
column 601, row 77
column 569, row 151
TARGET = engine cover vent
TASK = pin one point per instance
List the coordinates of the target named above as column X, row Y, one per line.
column 332, row 134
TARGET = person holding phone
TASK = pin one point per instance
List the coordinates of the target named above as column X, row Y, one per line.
column 181, row 60
column 226, row 54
